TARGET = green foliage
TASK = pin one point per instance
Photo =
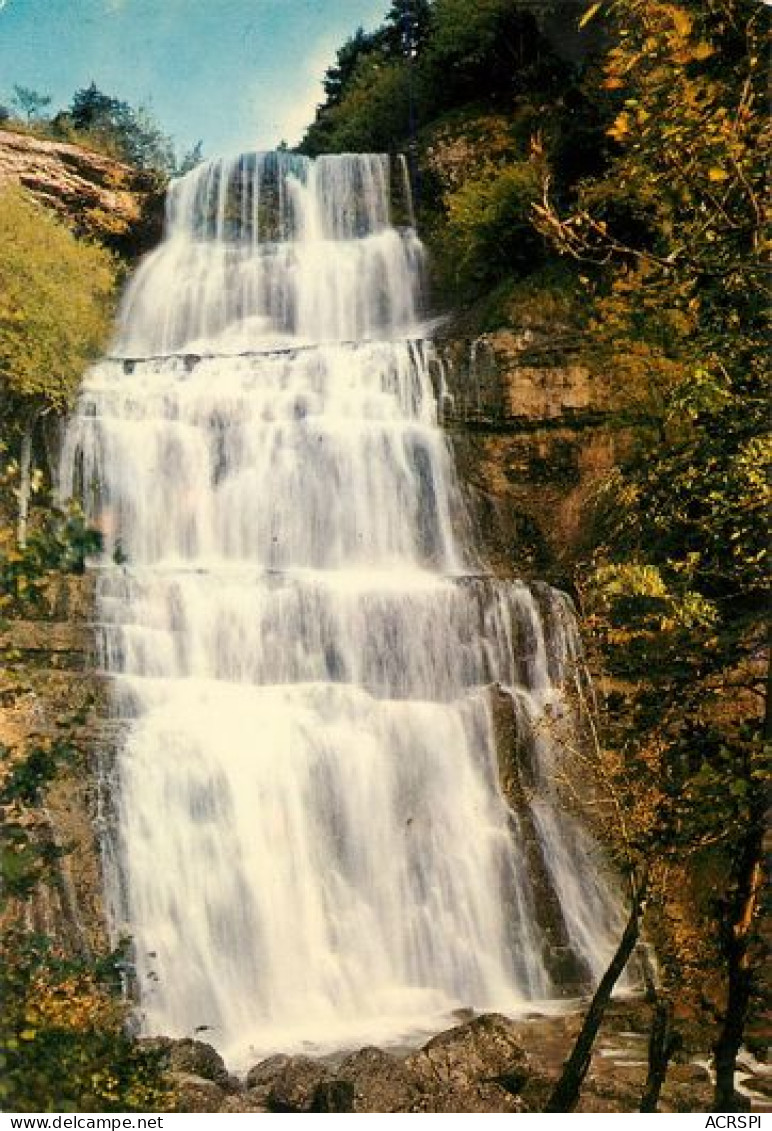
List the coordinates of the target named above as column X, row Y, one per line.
column 56, row 295
column 671, row 240
column 486, row 49
column 374, row 111
column 438, row 79
column 59, row 543
column 64, row 1047
column 437, row 55
column 129, row 134
column 64, row 1044
column 488, row 229
column 26, row 857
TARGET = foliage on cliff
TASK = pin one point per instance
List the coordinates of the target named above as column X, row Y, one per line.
column 478, row 97
column 56, row 302
column 63, row 1044
column 671, row 242
column 63, row 1039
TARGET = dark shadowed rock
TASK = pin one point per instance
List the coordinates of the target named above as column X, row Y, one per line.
column 335, row 1095
column 295, row 1086
column 198, row 1059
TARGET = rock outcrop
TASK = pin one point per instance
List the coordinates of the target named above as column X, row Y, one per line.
column 98, row 196
column 490, row 1063
column 49, row 691
column 533, row 432
column 477, row 1066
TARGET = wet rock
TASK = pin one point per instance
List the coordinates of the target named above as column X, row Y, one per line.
column 689, row 1073
column 476, row 1067
column 485, row 1050
column 266, row 1072
column 295, row 1086
column 536, row 1092
column 607, row 1095
column 371, row 1080
column 483, row 1099
column 196, row 1094
column 198, row 1059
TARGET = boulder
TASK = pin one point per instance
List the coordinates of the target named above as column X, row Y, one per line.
column 475, row 1067
column 264, row 1073
column 486, row 1050
column 371, row 1081
column 254, row 1100
column 294, row 1087
column 195, row 1094
column 198, row 1059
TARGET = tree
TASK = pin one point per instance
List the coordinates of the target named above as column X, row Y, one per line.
column 30, row 102
column 483, row 51
column 338, row 76
column 407, row 26
column 565, row 1094
column 132, row 135
column 673, row 244
column 92, row 109
column 56, row 295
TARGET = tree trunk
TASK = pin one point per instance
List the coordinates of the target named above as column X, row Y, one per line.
column 663, row 1042
column 738, row 934
column 740, row 975
column 566, row 1092
column 25, row 478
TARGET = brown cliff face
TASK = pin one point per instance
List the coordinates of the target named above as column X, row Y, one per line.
column 101, row 198
column 533, row 432
column 49, row 690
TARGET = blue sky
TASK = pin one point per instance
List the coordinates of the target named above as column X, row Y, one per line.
column 239, row 74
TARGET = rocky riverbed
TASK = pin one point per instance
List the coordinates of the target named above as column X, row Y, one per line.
column 488, row 1063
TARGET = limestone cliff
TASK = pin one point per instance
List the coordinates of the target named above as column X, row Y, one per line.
column 100, row 197
column 534, row 431
column 48, row 689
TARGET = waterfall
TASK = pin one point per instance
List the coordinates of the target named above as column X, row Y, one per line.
column 310, row 848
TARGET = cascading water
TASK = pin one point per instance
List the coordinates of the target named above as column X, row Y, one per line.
column 311, row 848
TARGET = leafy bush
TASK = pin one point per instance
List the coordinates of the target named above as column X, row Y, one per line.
column 488, row 228
column 56, row 300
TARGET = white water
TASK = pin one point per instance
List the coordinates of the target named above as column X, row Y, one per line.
column 311, row 846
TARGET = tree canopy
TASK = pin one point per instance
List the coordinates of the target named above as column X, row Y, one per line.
column 671, row 241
